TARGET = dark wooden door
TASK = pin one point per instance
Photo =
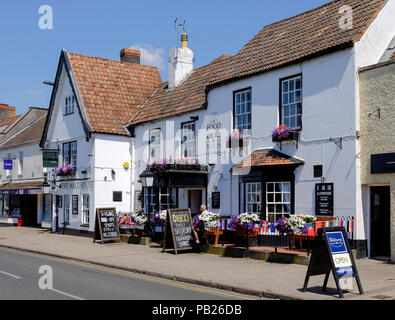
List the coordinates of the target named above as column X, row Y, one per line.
column 195, row 201
column 380, row 243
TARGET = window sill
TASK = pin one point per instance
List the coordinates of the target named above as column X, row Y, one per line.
column 85, row 225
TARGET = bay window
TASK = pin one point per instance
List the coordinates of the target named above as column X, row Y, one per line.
column 278, row 200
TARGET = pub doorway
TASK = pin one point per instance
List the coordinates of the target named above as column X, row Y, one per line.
column 380, row 242
column 195, row 198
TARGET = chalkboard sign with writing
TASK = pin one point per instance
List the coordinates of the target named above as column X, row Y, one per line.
column 106, row 225
column 324, row 199
column 332, row 253
column 216, row 200
column 179, row 224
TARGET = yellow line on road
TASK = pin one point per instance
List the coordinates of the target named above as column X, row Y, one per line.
column 132, row 275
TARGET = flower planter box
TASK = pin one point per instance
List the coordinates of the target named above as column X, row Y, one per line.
column 243, row 233
column 293, row 136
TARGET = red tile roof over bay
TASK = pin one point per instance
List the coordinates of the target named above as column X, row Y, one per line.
column 267, row 157
column 112, row 91
column 289, row 41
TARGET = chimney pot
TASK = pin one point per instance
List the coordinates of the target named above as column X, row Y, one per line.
column 130, row 55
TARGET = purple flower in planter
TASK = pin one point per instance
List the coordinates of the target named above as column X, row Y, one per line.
column 305, row 228
column 281, row 133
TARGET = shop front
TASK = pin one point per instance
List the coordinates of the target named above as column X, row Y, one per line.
column 21, row 201
column 174, row 186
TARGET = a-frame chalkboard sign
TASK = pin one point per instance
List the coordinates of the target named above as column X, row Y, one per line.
column 332, row 253
column 106, row 225
column 179, row 230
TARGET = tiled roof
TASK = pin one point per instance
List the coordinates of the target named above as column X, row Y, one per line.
column 31, row 134
column 302, row 36
column 186, row 97
column 6, row 123
column 306, row 35
column 112, row 91
column 268, row 157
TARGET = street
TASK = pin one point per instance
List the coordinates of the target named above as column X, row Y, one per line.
column 19, row 280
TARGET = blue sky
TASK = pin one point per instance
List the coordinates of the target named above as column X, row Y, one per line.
column 29, row 55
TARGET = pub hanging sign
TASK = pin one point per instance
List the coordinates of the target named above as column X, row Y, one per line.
column 324, row 198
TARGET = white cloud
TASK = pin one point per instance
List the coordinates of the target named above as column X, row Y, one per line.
column 150, row 56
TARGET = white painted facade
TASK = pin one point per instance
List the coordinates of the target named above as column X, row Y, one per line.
column 100, row 169
column 330, row 111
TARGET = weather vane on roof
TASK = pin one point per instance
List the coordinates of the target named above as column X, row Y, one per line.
column 179, row 25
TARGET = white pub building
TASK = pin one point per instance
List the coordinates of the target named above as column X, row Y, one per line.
column 301, row 73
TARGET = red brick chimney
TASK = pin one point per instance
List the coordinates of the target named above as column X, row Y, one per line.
column 130, row 56
column 6, row 111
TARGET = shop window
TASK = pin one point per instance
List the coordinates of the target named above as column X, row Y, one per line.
column 188, row 142
column 117, row 196
column 85, row 209
column 242, row 110
column 291, row 103
column 167, row 198
column 74, row 204
column 66, row 209
column 47, row 214
column 278, row 200
column 6, row 205
column 253, row 197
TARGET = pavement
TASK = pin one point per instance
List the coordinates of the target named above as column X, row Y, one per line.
column 244, row 276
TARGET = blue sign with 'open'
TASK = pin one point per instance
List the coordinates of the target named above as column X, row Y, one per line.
column 336, row 242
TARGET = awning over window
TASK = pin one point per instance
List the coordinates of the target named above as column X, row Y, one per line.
column 27, row 187
column 267, row 158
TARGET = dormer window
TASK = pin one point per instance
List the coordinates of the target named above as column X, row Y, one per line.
column 69, row 105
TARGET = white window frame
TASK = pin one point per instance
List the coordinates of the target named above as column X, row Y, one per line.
column 155, row 144
column 188, row 140
column 278, row 198
column 292, row 102
column 70, row 157
column 85, row 209
column 243, row 110
column 69, row 106
column 253, row 197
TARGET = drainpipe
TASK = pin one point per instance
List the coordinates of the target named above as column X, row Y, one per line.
column 132, row 168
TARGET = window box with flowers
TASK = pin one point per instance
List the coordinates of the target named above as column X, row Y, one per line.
column 284, row 133
column 66, row 171
column 185, row 164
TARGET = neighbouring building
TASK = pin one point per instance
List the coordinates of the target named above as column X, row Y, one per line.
column 21, row 171
column 301, row 72
column 377, row 87
column 92, row 100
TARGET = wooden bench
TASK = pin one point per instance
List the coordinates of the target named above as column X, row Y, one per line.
column 215, row 232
